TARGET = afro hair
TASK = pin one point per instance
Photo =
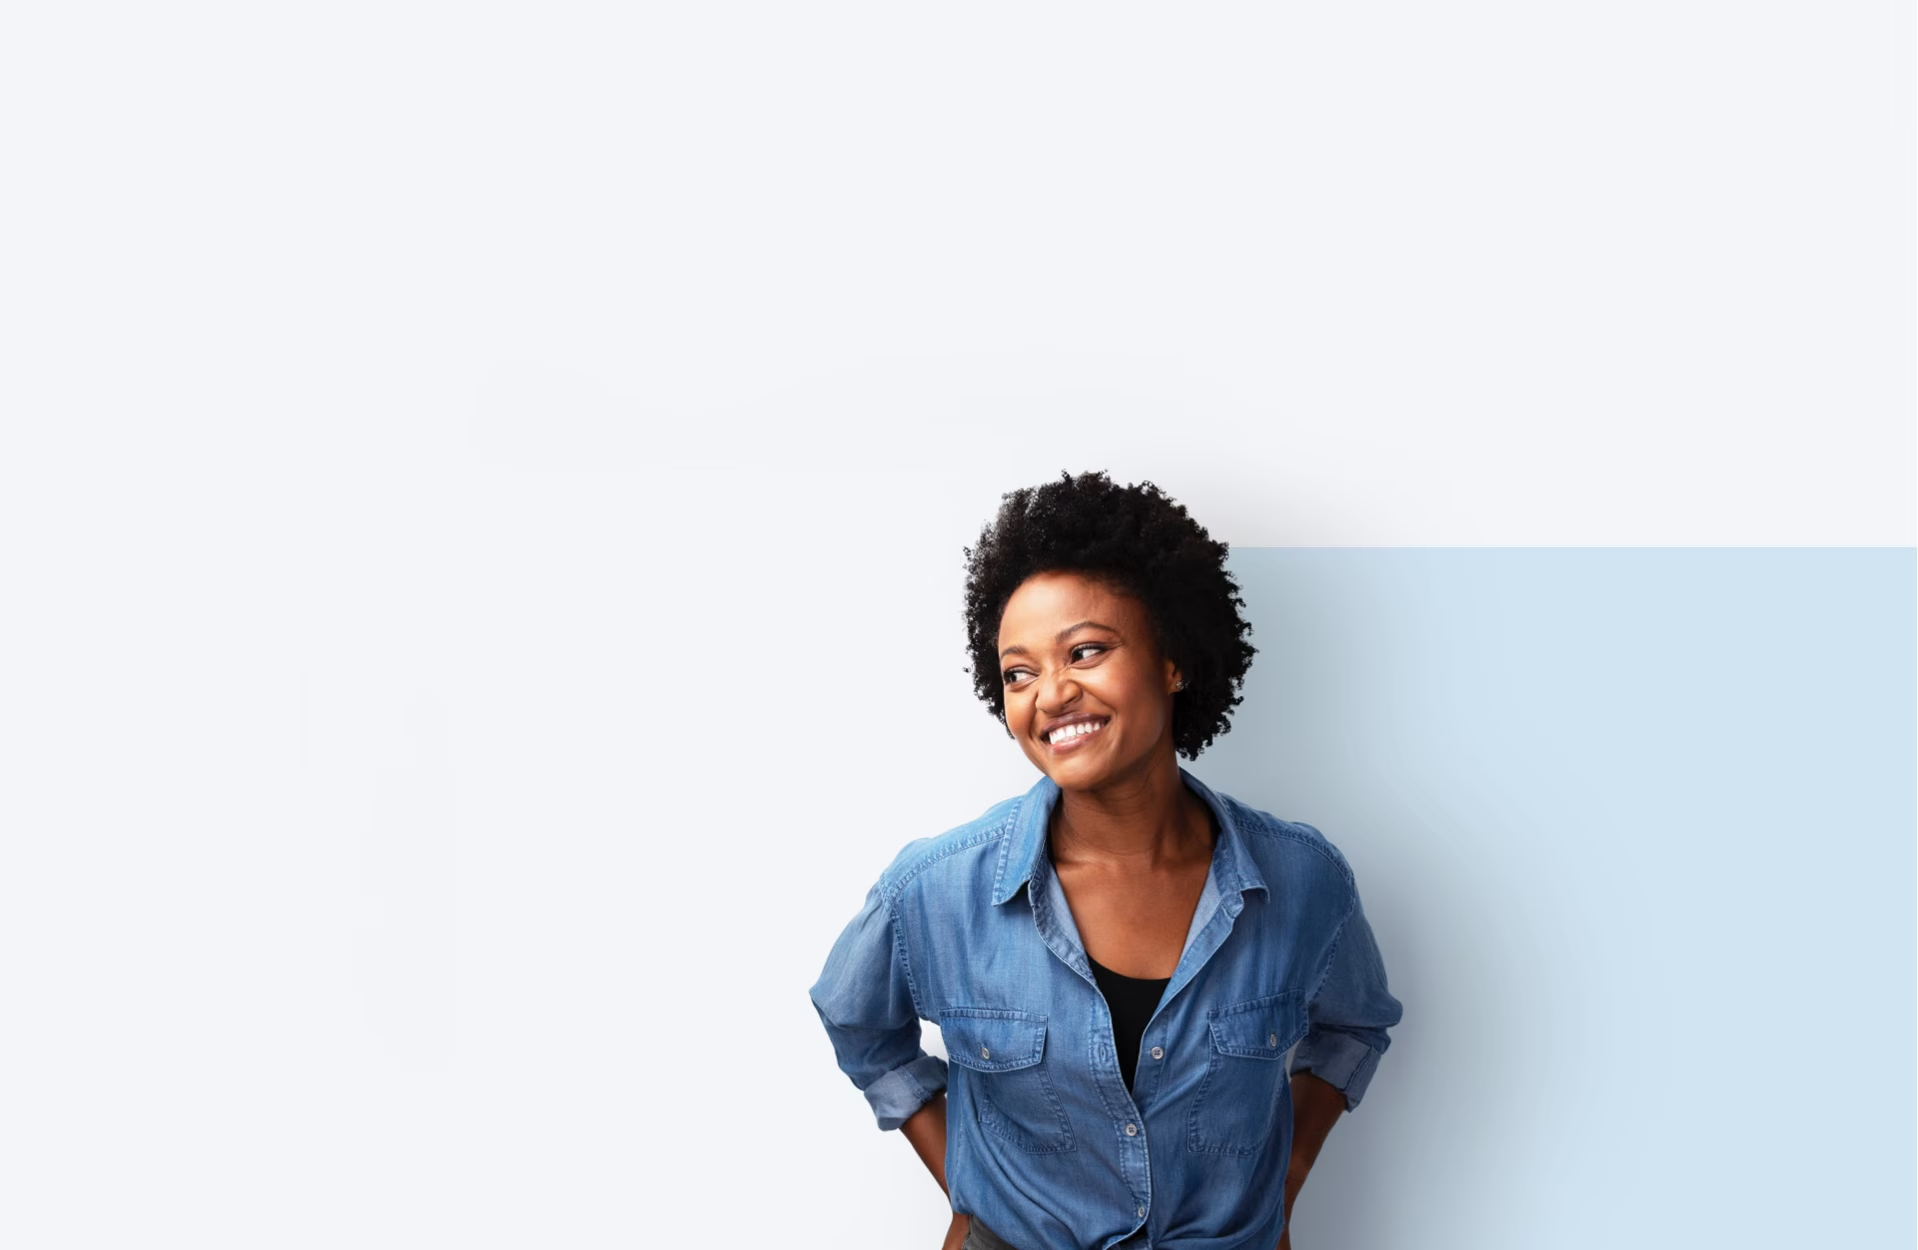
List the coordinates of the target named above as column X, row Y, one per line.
column 1141, row 542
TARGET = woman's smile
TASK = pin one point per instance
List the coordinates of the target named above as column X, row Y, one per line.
column 1069, row 733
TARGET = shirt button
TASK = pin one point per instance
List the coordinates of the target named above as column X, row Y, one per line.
column 1158, row 1052
column 985, row 1053
column 1141, row 1212
column 1131, row 1130
column 1271, row 1039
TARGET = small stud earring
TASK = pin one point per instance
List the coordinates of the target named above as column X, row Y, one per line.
column 1179, row 685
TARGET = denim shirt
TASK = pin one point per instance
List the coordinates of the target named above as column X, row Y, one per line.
column 1045, row 1143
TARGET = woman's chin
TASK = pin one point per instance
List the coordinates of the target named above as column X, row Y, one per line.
column 1076, row 772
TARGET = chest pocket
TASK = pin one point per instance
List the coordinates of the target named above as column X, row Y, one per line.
column 1003, row 1055
column 1246, row 1075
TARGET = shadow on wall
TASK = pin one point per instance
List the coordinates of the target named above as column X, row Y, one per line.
column 1594, row 801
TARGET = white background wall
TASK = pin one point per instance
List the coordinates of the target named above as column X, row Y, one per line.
column 481, row 496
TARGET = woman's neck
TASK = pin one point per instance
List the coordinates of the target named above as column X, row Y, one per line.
column 1147, row 819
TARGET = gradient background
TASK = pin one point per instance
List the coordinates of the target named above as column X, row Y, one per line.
column 481, row 508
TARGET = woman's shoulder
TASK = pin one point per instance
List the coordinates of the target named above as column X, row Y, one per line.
column 956, row 846
column 1271, row 837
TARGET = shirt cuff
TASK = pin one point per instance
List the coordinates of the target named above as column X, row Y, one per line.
column 902, row 1091
column 1340, row 1060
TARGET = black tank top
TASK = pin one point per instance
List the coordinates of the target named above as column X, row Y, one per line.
column 1132, row 1001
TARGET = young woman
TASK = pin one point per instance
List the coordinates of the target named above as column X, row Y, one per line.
column 1156, row 1000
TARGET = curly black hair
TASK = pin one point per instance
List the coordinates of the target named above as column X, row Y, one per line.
column 1138, row 539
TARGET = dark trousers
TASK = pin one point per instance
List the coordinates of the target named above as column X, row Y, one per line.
column 982, row 1238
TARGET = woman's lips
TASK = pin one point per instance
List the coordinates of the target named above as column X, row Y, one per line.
column 1075, row 737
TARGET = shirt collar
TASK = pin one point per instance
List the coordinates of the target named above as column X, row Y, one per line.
column 1020, row 855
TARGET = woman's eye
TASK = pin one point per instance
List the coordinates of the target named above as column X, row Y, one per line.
column 1085, row 649
column 1013, row 676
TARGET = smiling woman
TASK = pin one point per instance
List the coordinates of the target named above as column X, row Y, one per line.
column 1119, row 958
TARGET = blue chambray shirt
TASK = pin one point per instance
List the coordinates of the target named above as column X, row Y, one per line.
column 1045, row 1144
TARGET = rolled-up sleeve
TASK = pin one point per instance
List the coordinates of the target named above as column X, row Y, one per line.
column 865, row 1000
column 1348, row 1017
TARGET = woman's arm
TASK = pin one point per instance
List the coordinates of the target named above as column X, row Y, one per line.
column 926, row 1130
column 1316, row 1106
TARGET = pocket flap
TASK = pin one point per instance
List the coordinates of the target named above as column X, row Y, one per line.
column 1264, row 1028
column 988, row 1040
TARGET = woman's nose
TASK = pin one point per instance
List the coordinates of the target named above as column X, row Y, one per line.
column 1057, row 693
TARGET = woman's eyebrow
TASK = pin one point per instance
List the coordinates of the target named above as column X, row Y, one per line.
column 1069, row 630
column 1061, row 636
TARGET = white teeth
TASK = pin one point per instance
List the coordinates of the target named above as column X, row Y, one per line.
column 1078, row 730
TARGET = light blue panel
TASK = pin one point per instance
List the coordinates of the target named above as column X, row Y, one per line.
column 1635, row 830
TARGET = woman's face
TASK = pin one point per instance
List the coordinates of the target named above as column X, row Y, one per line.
column 1088, row 693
